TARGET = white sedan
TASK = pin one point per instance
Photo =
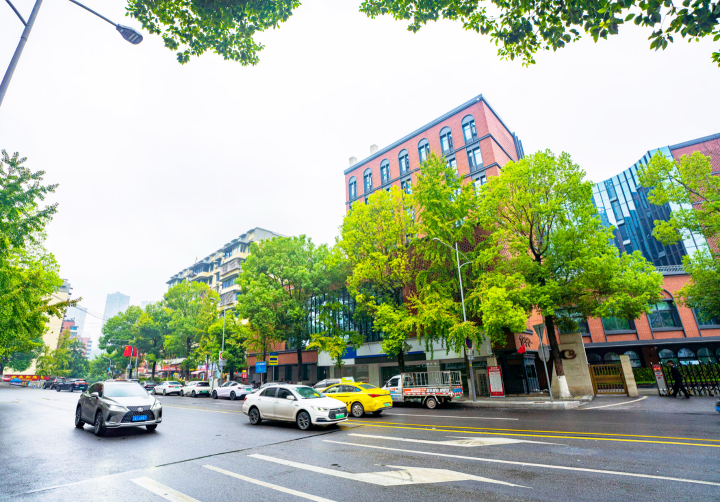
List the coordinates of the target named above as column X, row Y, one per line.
column 195, row 389
column 169, row 387
column 294, row 403
column 232, row 390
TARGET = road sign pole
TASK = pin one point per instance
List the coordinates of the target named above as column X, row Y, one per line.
column 540, row 331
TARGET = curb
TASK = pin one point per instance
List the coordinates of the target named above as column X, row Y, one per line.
column 568, row 404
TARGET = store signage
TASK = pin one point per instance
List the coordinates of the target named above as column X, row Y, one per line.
column 495, row 380
column 660, row 379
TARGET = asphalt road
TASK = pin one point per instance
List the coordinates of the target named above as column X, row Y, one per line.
column 205, row 450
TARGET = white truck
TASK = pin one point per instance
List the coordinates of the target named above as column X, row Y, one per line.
column 429, row 388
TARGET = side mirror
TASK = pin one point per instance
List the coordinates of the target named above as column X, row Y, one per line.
column 95, row 394
column 290, row 398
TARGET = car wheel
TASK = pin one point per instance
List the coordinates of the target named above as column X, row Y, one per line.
column 431, row 403
column 57, row 389
column 214, row 394
column 357, row 410
column 232, row 396
column 72, row 390
column 78, row 418
column 377, row 413
column 99, row 425
column 255, row 417
column 164, row 392
column 303, row 420
column 193, row 394
column 182, row 393
column 151, row 428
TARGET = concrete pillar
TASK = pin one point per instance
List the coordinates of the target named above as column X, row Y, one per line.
column 629, row 376
column 575, row 364
column 374, row 374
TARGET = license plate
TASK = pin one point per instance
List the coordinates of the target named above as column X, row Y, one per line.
column 387, row 404
column 340, row 415
column 139, row 418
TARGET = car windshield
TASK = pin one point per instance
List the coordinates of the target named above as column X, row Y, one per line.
column 308, row 393
column 172, row 383
column 203, row 384
column 367, row 386
column 123, row 390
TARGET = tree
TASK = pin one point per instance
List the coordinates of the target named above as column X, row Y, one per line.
column 193, row 307
column 192, row 27
column 66, row 360
column 235, row 339
column 151, row 329
column 334, row 339
column 548, row 252
column 521, row 28
column 376, row 240
column 119, row 331
column 694, row 191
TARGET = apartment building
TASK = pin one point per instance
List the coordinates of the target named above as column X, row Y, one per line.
column 221, row 268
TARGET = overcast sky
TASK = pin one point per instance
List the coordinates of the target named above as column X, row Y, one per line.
column 160, row 163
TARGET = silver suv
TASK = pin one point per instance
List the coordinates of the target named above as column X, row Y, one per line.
column 111, row 405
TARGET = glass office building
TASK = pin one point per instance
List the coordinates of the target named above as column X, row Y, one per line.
column 622, row 203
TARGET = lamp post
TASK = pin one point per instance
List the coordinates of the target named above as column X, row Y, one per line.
column 471, row 356
column 129, row 34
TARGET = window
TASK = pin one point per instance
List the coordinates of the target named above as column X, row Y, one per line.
column 594, row 358
column 685, row 354
column 406, row 186
column 452, row 162
column 284, row 393
column 704, row 320
column 705, row 356
column 664, row 315
column 352, row 188
column 367, row 180
column 666, row 355
column 479, row 181
column 404, row 162
column 446, row 142
column 617, row 324
column 634, row 359
column 349, row 389
column 475, row 159
column 332, row 390
column 611, row 357
column 423, row 150
column 385, row 171
column 229, row 282
column 468, row 127
column 269, row 392
column 571, row 322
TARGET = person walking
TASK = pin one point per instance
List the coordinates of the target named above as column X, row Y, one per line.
column 677, row 381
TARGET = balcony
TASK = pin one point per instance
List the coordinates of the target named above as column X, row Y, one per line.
column 228, row 298
column 228, row 267
column 671, row 270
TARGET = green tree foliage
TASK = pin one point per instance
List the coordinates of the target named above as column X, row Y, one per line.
column 522, row 28
column 228, row 27
column 66, row 360
column 151, row 329
column 236, row 334
column 548, row 250
column 334, row 339
column 119, row 331
column 376, row 240
column 689, row 185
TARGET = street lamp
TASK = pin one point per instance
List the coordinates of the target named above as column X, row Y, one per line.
column 129, row 34
column 471, row 356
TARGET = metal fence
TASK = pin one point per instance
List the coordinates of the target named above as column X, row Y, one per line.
column 699, row 379
column 608, row 379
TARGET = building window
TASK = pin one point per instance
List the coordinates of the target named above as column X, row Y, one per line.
column 704, row 320
column 229, row 282
column 446, row 142
column 406, row 186
column 367, row 180
column 468, row 127
column 634, row 359
column 667, row 355
column 706, row 356
column 594, row 358
column 452, row 162
column 664, row 315
column 479, row 181
column 423, row 150
column 352, row 189
column 611, row 357
column 571, row 322
column 385, row 171
column 617, row 324
column 475, row 159
column 404, row 162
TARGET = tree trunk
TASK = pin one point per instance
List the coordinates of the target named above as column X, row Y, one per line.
column 3, row 362
column 401, row 362
column 557, row 360
column 467, row 370
column 153, row 371
column 263, row 379
column 300, row 362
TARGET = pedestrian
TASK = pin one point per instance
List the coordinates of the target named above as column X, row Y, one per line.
column 677, row 381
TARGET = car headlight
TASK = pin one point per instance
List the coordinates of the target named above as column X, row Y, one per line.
column 113, row 407
column 156, row 405
column 318, row 408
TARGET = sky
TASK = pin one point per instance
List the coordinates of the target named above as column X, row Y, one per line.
column 159, row 164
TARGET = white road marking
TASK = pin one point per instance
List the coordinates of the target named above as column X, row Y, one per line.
column 616, row 404
column 528, row 464
column 164, row 491
column 269, row 485
column 463, row 441
column 446, row 416
column 406, row 476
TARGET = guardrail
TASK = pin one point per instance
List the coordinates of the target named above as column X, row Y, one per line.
column 699, row 379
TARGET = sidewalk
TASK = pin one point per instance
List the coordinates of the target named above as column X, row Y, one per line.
column 523, row 402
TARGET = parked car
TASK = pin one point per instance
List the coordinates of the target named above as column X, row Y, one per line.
column 232, row 390
column 195, row 389
column 324, row 384
column 51, row 382
column 361, row 397
column 149, row 385
column 72, row 385
column 294, row 403
column 168, row 387
column 717, row 405
column 110, row 405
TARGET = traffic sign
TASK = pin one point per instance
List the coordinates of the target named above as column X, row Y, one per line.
column 273, row 359
column 544, row 352
column 540, row 331
column 261, row 367
column 222, row 356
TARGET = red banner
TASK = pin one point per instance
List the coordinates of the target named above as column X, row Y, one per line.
column 130, row 351
column 495, row 381
column 7, row 377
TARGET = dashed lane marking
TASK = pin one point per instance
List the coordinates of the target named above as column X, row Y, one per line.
column 268, row 485
column 368, row 422
column 586, row 438
column 164, row 491
column 465, row 442
column 528, row 464
column 616, row 404
column 447, row 416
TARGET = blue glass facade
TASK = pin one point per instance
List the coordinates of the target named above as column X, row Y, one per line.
column 622, row 203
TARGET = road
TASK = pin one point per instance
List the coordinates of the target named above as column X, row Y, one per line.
column 206, row 451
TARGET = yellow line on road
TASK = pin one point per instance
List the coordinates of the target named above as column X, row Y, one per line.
column 368, row 422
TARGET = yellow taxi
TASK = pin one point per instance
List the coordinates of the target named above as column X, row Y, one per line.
column 360, row 398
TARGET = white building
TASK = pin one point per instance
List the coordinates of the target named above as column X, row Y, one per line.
column 115, row 303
